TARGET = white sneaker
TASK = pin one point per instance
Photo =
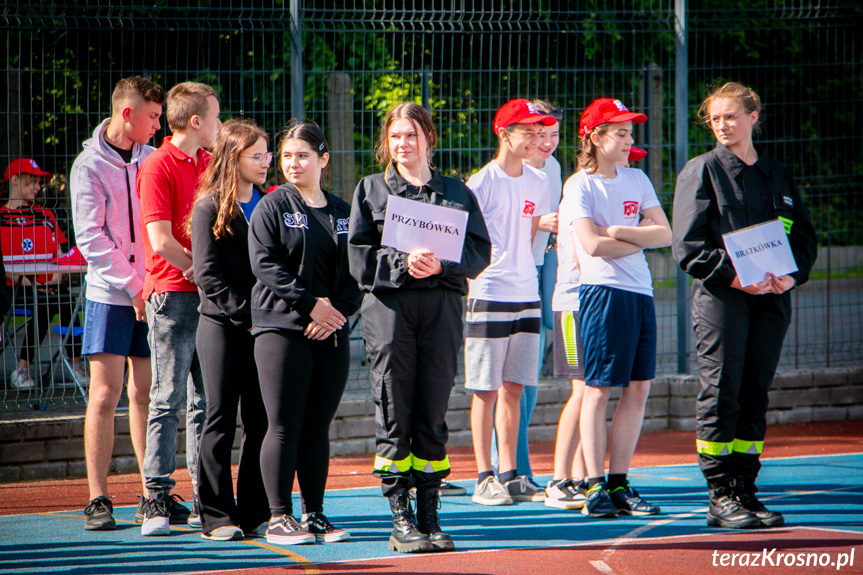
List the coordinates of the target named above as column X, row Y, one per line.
column 224, row 533
column 491, row 492
column 156, row 519
column 564, row 494
column 21, row 379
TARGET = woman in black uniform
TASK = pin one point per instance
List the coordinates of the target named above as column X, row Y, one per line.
column 739, row 329
column 219, row 229
column 412, row 324
column 301, row 302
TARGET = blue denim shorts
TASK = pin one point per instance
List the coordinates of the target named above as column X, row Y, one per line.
column 113, row 329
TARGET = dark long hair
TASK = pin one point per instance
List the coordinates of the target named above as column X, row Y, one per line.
column 312, row 135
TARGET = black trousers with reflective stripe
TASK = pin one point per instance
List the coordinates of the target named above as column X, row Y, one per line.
column 739, row 341
column 412, row 338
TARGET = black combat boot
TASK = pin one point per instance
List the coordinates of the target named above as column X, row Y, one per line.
column 725, row 511
column 428, row 500
column 406, row 538
column 744, row 492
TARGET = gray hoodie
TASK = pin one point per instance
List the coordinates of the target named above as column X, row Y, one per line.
column 107, row 219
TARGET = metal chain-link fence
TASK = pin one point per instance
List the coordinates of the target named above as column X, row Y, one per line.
column 343, row 64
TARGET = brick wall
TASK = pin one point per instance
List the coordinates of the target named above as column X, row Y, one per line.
column 54, row 447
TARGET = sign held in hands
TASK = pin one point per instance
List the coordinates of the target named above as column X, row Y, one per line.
column 410, row 225
column 757, row 250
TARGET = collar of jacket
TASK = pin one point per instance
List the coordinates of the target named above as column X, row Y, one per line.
column 734, row 165
column 397, row 183
column 292, row 191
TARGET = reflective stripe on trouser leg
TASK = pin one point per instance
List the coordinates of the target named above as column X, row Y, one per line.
column 713, row 448
column 749, row 447
column 426, row 466
column 384, row 465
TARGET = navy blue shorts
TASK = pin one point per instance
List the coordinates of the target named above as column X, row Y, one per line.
column 618, row 332
column 113, row 329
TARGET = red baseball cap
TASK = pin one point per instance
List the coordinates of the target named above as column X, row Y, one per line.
column 520, row 111
column 606, row 110
column 24, row 166
column 636, row 154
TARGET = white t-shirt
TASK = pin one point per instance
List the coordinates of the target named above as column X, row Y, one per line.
column 555, row 189
column 565, row 296
column 509, row 205
column 613, row 202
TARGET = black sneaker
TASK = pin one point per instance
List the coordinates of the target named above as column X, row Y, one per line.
column 156, row 518
column 178, row 514
column 139, row 512
column 99, row 514
column 194, row 519
column 599, row 503
column 318, row 525
column 628, row 502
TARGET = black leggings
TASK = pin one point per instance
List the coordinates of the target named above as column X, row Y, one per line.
column 302, row 382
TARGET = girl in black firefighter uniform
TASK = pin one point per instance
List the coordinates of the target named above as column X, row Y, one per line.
column 412, row 324
column 301, row 302
column 739, row 329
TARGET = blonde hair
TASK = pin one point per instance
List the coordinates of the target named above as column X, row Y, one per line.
column 186, row 100
column 135, row 90
column 219, row 180
column 587, row 154
column 743, row 94
column 419, row 117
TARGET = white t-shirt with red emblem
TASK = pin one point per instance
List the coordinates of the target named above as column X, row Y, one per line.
column 509, row 205
column 619, row 202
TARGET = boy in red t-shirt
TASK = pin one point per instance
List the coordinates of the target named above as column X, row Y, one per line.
column 31, row 233
column 166, row 186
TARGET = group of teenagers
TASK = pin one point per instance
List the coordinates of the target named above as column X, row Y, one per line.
column 222, row 299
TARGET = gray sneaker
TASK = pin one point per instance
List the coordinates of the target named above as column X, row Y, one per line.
column 139, row 512
column 491, row 492
column 99, row 514
column 523, row 489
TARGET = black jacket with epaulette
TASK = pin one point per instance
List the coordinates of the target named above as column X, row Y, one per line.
column 718, row 193
column 378, row 267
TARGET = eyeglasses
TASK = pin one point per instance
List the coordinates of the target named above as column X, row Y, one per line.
column 260, row 158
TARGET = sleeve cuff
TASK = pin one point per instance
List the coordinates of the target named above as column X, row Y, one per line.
column 135, row 287
column 306, row 303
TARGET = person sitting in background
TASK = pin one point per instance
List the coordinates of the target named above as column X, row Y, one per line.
column 30, row 233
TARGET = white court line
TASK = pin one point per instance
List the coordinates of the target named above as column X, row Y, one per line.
column 637, row 532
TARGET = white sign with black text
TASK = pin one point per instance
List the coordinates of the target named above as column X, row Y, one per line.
column 757, row 250
column 410, row 225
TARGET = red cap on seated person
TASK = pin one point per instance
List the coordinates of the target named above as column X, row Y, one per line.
column 636, row 154
column 520, row 111
column 606, row 110
column 24, row 166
